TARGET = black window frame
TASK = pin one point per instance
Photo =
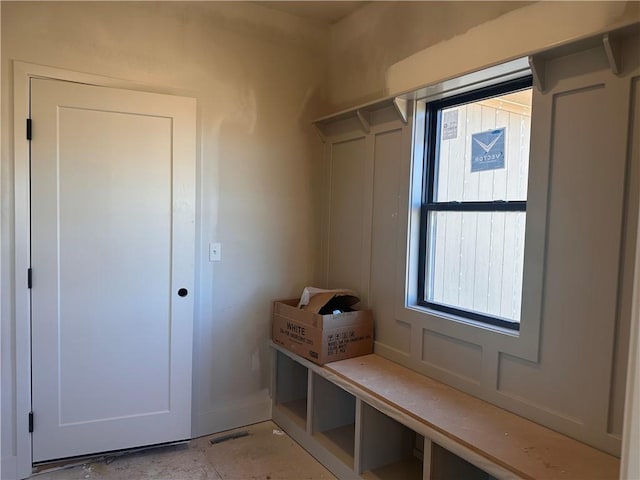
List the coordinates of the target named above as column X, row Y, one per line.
column 431, row 154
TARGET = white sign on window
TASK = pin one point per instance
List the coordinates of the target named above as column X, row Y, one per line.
column 450, row 124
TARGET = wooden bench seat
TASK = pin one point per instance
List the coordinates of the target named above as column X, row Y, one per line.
column 496, row 436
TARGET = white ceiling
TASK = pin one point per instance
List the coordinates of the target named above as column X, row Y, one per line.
column 320, row 12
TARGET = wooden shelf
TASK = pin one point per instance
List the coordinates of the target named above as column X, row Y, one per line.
column 407, row 469
column 296, row 410
column 365, row 118
column 334, row 414
column 340, row 441
column 291, row 389
column 445, row 466
column 387, row 447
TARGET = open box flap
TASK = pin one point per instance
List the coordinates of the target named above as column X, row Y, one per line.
column 327, row 302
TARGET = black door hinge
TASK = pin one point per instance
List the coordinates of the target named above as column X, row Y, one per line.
column 28, row 129
column 29, row 278
column 30, row 422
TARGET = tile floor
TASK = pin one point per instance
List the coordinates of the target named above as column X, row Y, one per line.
column 266, row 453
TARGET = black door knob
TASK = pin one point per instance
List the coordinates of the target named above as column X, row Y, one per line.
column 183, row 292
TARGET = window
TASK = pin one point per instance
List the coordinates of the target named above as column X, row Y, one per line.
column 474, row 203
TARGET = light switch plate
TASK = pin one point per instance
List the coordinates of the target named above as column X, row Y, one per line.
column 215, row 252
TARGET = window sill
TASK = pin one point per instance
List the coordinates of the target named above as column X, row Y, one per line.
column 463, row 320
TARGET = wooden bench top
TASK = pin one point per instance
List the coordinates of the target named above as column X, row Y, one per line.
column 521, row 446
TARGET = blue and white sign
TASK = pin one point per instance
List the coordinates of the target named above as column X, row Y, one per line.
column 487, row 150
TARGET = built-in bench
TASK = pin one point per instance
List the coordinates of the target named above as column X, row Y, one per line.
column 368, row 417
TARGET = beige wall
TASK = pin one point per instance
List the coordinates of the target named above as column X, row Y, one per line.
column 368, row 42
column 387, row 48
column 258, row 76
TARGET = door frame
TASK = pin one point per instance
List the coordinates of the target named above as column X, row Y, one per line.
column 23, row 72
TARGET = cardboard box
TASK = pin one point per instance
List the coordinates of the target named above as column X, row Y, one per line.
column 322, row 338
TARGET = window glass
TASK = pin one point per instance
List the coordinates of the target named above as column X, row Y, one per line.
column 483, row 149
column 476, row 261
column 474, row 203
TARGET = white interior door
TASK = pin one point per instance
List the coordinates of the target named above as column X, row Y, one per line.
column 112, row 243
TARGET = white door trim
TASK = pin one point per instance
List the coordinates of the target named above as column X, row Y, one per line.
column 22, row 74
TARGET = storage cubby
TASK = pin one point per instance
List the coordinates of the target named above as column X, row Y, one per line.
column 334, row 418
column 369, row 418
column 291, row 389
column 388, row 449
column 448, row 466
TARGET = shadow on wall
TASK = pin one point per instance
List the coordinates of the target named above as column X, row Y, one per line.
column 265, row 199
column 528, row 29
column 367, row 43
column 372, row 58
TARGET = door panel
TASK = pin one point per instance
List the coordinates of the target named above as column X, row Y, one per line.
column 112, row 242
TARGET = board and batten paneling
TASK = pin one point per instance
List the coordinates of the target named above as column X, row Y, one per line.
column 456, row 357
column 583, row 252
column 386, row 182
column 345, row 219
column 623, row 332
column 352, row 236
column 580, row 125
